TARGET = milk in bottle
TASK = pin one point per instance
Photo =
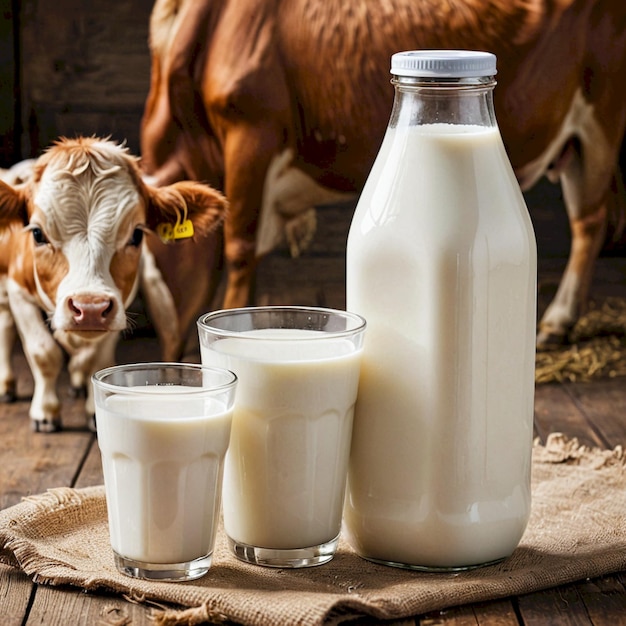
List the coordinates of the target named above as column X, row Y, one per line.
column 441, row 261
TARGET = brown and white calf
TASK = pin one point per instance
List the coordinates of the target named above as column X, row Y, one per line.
column 71, row 243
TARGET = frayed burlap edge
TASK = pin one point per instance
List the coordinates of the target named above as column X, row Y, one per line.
column 577, row 530
column 562, row 449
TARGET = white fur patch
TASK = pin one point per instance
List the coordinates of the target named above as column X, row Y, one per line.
column 288, row 206
column 580, row 122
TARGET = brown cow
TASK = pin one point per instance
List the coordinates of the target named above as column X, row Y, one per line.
column 237, row 83
column 71, row 242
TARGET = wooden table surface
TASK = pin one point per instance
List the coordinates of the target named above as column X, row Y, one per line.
column 30, row 462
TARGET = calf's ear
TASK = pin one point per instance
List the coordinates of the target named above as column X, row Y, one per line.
column 205, row 207
column 13, row 206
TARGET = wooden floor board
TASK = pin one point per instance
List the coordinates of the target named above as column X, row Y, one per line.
column 556, row 411
column 605, row 600
column 63, row 606
column 496, row 613
column 564, row 606
column 455, row 616
column 15, row 592
column 603, row 403
column 31, row 462
column 91, row 471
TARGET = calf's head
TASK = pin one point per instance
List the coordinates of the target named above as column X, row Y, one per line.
column 85, row 210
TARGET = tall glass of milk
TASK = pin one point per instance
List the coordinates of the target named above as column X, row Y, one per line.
column 441, row 261
column 163, row 431
column 285, row 475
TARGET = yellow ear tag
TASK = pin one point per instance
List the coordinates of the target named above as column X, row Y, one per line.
column 182, row 229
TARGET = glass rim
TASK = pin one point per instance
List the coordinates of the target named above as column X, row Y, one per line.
column 98, row 378
column 358, row 320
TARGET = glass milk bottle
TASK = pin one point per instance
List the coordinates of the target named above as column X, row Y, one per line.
column 441, row 261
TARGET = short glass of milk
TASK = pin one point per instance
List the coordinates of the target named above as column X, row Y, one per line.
column 163, row 431
column 285, row 474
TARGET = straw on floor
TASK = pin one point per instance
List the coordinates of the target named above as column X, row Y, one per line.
column 598, row 347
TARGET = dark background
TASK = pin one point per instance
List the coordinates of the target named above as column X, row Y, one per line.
column 70, row 67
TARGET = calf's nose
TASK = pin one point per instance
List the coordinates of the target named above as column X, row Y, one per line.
column 90, row 312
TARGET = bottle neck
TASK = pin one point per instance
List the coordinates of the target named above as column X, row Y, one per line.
column 443, row 101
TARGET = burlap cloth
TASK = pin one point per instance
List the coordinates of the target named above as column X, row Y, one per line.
column 577, row 530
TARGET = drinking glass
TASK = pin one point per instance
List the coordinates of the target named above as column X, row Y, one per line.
column 285, row 473
column 163, row 431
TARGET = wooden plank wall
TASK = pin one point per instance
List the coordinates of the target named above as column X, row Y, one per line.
column 82, row 68
column 8, row 100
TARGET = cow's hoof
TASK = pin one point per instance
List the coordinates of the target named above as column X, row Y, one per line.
column 78, row 392
column 10, row 394
column 8, row 397
column 91, row 423
column 47, row 425
column 547, row 340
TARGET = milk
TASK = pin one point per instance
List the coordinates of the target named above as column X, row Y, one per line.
column 284, row 479
column 161, row 466
column 441, row 262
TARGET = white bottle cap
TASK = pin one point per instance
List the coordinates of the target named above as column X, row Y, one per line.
column 443, row 63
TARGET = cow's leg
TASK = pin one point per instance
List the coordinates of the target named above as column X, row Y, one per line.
column 80, row 357
column 240, row 255
column 571, row 297
column 248, row 152
column 45, row 359
column 104, row 357
column 161, row 307
column 7, row 340
column 86, row 358
column 588, row 223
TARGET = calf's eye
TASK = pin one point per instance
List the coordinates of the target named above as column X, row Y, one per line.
column 136, row 238
column 38, row 236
